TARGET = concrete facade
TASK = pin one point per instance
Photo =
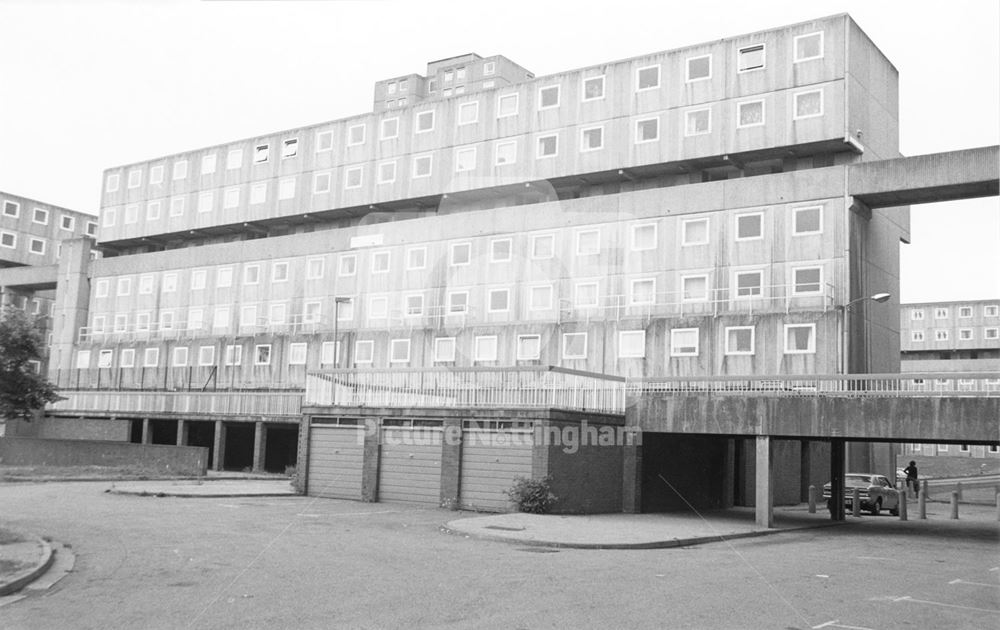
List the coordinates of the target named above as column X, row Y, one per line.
column 177, row 460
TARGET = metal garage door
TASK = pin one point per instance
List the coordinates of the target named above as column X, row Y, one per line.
column 491, row 459
column 336, row 457
column 410, row 466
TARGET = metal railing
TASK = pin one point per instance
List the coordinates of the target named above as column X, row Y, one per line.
column 536, row 387
column 930, row 384
column 225, row 403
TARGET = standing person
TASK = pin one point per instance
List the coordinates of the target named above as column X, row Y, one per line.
column 911, row 478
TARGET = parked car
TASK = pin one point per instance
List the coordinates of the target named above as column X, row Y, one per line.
column 875, row 491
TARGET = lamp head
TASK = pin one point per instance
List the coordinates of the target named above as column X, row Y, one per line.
column 881, row 297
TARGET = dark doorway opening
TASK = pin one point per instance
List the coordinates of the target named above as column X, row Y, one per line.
column 163, row 432
column 201, row 433
column 282, row 447
column 135, row 432
column 238, row 453
column 681, row 472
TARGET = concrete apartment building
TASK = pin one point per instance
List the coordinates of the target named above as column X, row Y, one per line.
column 681, row 213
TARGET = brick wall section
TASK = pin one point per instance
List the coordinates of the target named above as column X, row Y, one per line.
column 451, row 462
column 373, row 453
column 180, row 460
column 76, row 429
column 587, row 477
column 632, row 479
column 302, row 456
column 786, row 463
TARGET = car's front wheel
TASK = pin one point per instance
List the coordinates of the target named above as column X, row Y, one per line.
column 876, row 507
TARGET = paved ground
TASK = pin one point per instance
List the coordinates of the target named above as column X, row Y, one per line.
column 295, row 562
column 207, row 488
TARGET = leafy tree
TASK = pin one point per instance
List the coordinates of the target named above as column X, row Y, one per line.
column 22, row 391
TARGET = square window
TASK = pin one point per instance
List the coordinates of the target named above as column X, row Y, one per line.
column 694, row 231
column 251, row 274
column 444, row 349
column 941, row 313
column 631, row 344
column 809, row 46
column 289, row 148
column 169, row 283
column 940, row 335
column 416, row 258
column 324, row 141
column 647, row 78
column 180, row 170
column 224, row 277
column 800, row 338
column 460, row 74
column 807, row 280
column 234, row 159
column 460, row 254
column 387, row 172
column 485, row 349
column 991, row 333
column 807, row 220
column 684, row 342
column 422, row 165
column 750, row 58
column 105, row 358
column 261, row 153
column 588, row 243
column 548, row 146
column 176, row 206
column 347, row 265
column 380, row 262
column 749, row 226
column 297, row 353
column 749, row 283
column 127, row 358
column 739, row 340
column 414, row 305
column 750, row 114
column 529, row 347
column 221, row 318
column 500, row 250
column 180, row 356
column 286, row 188
column 131, row 213
column 91, row 228
column 498, row 300
column 458, row 302
column 134, row 178
column 991, row 310
column 142, row 321
column 643, row 237
column 465, row 159
column 917, row 335
column 809, row 104
column 145, row 285
column 110, row 185
column 593, row 88
column 468, row 113
column 205, row 201
column 40, row 216
column 489, row 67
column 505, row 152
column 507, row 105
column 965, row 312
column 277, row 313
column 591, row 139
column 424, row 121
column 82, row 359
column 389, row 129
column 108, row 217
column 355, row 135
column 206, row 355
column 694, row 288
column 195, row 319
column 329, row 353
column 156, row 174
column 150, row 357
column 965, row 334
column 208, row 163
column 121, row 322
column 152, row 211
column 198, row 279
column 585, row 295
column 543, row 246
column 124, row 286
column 378, row 307
column 11, row 209
column 312, row 312
column 353, row 177
column 647, row 130
column 574, row 345
column 642, row 291
column 399, row 351
column 697, row 122
column 262, row 354
column 36, row 246
column 917, row 313
column 315, row 268
column 548, row 97
column 540, row 297
column 231, row 198
column 166, row 320
column 234, row 355
column 699, row 68
column 8, row 239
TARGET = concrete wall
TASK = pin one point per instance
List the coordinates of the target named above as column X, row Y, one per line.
column 180, row 460
column 787, row 473
column 55, row 428
column 587, row 480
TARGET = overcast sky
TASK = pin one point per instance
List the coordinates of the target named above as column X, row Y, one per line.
column 86, row 85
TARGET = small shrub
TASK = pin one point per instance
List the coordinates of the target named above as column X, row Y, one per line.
column 533, row 496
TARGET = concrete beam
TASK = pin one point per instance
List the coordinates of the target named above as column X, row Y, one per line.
column 42, row 277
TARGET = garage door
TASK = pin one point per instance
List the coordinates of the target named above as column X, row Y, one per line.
column 490, row 461
column 336, row 457
column 410, row 466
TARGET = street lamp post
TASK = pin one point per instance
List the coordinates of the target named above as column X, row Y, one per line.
column 337, row 301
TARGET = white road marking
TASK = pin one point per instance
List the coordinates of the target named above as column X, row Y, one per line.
column 907, row 598
column 995, row 569
column 822, row 575
column 836, row 624
column 974, row 583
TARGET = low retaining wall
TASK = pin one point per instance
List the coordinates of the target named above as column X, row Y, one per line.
column 178, row 460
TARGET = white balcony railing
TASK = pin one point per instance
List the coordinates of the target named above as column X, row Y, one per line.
column 221, row 403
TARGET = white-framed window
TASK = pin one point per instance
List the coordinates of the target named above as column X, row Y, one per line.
column 991, row 333
column 180, row 170
column 82, row 359
column 156, row 174
column 121, row 322
column 40, row 216
column 356, row 135
column 422, row 165
column 991, row 310
column 110, row 184
column 642, row 291
column 505, row 152
column 413, row 305
column 101, row 288
column 389, row 129
column 277, row 313
column 631, row 344
column 36, row 246
column 593, row 88
column 543, row 246
column 468, row 113
column 205, row 201
column 698, row 68
column 424, row 121
column 489, row 67
column 917, row 314
column 127, row 358
column 444, row 349
column 378, row 307
column 286, row 188
column 507, row 105
column 234, row 159
column 647, row 78
column 588, row 242
column 223, row 277
column 354, row 177
column 152, row 210
column 145, row 285
column 251, row 274
column 221, row 318
column 917, row 336
column 381, row 261
column 540, row 297
column 965, row 312
column 347, row 265
column 694, row 288
column 485, row 348
column 329, row 353
column 750, row 226
column 750, row 113
column 808, row 46
column 548, row 97
column 67, row 222
column 262, row 354
column 498, row 300
column 459, row 254
column 965, row 334
column 176, row 206
column 592, row 138
column 739, row 340
column 91, row 228
column 941, row 312
column 941, row 335
column 586, row 294
column 8, row 239
column 416, row 258
column 807, row 280
column 131, row 213
column 458, row 302
column 460, row 74
column 574, row 345
column 261, row 153
column 208, row 163
column 289, row 148
column 195, row 319
column 180, row 358
column 105, row 358
column 312, row 312
column 108, row 217
column 694, row 231
column 297, row 353
column 684, row 342
column 807, row 220
column 386, row 172
column 258, row 193
column 501, row 250
column 800, row 338
column 546, row 146
column 324, row 141
column 808, row 104
column 198, row 279
column 750, row 58
column 647, row 130
column 151, row 357
column 465, row 159
column 749, row 284
column 315, row 268
column 697, row 121
column 643, row 237
column 529, row 347
column 399, row 351
column 206, row 355
column 248, row 316
column 233, row 355
column 166, row 320
column 124, row 287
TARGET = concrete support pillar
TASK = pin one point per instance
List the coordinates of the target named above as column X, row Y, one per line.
column 72, row 303
column 729, row 474
column 765, row 482
column 182, row 433
column 259, row 445
column 451, row 463
column 632, row 474
column 302, row 456
column 147, row 436
column 805, row 468
column 372, row 456
column 219, row 449
column 837, row 457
